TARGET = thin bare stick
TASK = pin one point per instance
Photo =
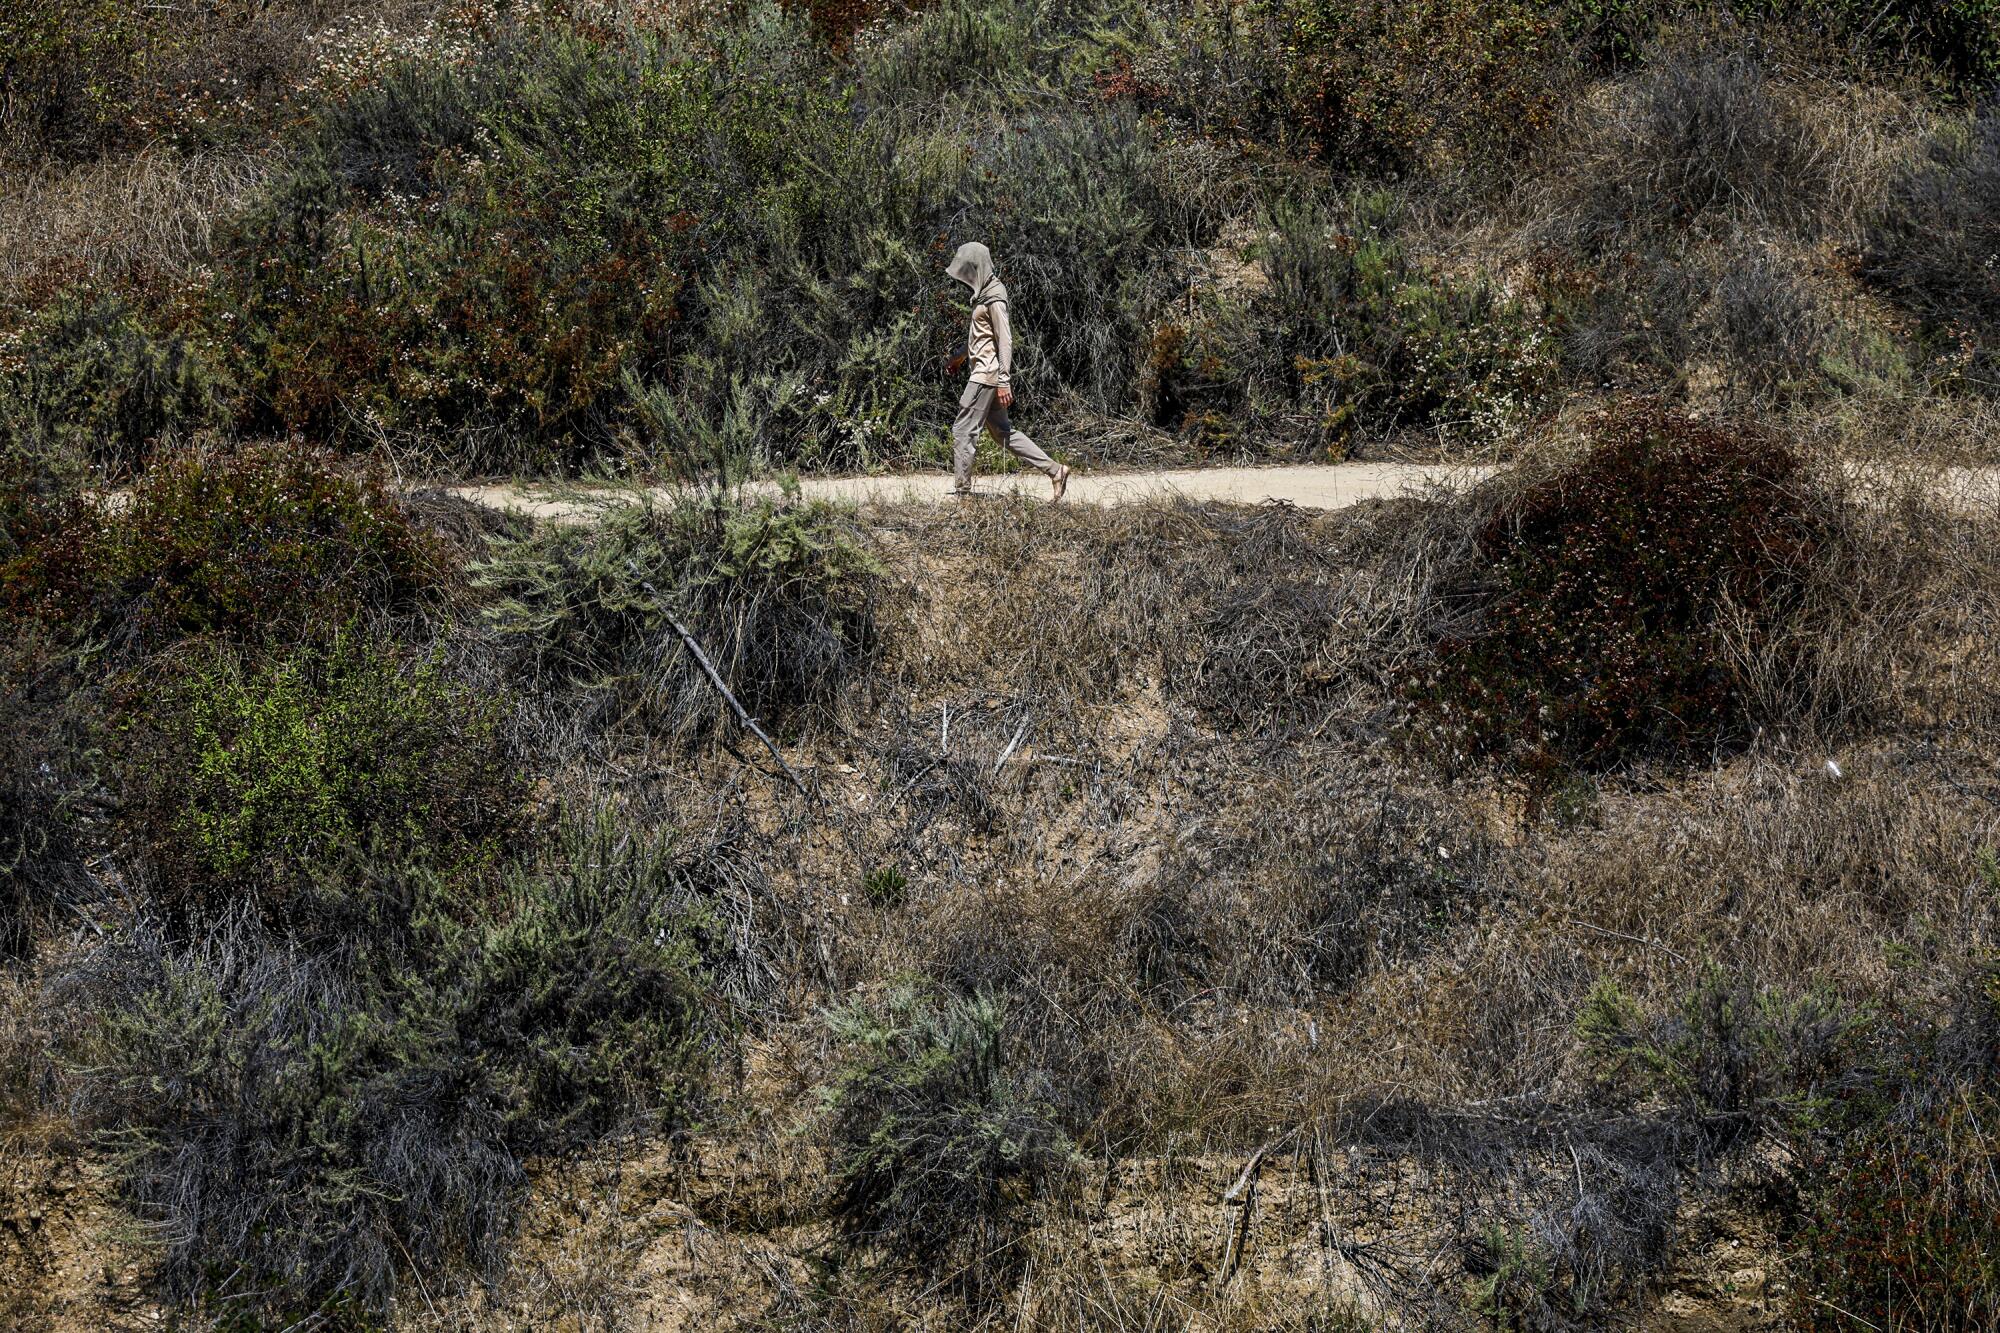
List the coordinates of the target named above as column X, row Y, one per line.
column 1008, row 753
column 1621, row 935
column 715, row 679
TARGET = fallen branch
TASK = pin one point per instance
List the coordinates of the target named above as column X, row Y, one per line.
column 715, row 679
column 1636, row 939
column 1008, row 753
column 1243, row 1194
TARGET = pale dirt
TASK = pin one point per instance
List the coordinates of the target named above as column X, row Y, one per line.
column 1328, row 486
column 1315, row 486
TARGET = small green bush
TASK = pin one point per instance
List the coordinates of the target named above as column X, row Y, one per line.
column 249, row 781
column 1605, row 587
column 1933, row 246
column 779, row 594
column 46, row 531
column 937, row 1141
column 1731, row 1060
column 46, row 742
column 1374, row 341
column 1902, row 1193
column 88, row 379
column 591, row 980
column 258, row 543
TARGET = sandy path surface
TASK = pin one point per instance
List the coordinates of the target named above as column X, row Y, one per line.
column 1329, row 486
column 1320, row 486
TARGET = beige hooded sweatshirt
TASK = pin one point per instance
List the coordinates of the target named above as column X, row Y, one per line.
column 989, row 344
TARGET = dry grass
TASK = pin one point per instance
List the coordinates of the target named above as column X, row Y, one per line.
column 1219, row 914
column 137, row 216
column 1138, row 774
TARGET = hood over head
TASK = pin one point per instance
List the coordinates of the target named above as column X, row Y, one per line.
column 973, row 266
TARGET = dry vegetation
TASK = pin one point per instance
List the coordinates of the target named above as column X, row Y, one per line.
column 1566, row 903
column 1133, row 958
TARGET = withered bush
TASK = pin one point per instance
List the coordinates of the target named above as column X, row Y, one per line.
column 1934, row 242
column 47, row 782
column 311, row 1125
column 1693, row 140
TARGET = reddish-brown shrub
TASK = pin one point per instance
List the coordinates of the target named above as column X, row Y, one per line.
column 1607, row 583
column 264, row 540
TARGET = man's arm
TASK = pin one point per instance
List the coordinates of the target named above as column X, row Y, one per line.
column 1003, row 347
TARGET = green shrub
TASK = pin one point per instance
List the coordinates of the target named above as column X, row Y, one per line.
column 259, row 543
column 46, row 526
column 301, row 1130
column 88, row 379
column 72, row 66
column 46, row 786
column 780, row 595
column 469, row 258
column 1934, row 244
column 476, row 263
column 1731, row 1060
column 1956, row 41
column 1395, row 86
column 1376, row 342
column 1606, row 586
column 591, row 980
column 937, row 1141
column 1902, row 1200
column 249, row 781
column 88, row 77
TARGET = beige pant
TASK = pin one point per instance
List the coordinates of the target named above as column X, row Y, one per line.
column 979, row 407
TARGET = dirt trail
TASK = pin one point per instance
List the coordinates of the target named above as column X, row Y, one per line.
column 1317, row 486
column 1329, row 486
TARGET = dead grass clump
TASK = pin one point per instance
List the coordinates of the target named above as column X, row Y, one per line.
column 1692, row 140
column 146, row 218
column 1253, row 618
column 1932, row 244
column 1331, row 882
column 1870, row 882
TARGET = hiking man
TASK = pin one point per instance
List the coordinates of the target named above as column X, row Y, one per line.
column 989, row 391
